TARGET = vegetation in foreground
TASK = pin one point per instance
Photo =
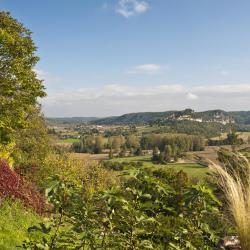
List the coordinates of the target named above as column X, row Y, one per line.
column 15, row 220
column 151, row 210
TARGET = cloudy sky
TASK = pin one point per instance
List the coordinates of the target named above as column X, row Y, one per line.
column 109, row 57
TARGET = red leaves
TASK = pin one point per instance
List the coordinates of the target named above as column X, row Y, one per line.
column 14, row 186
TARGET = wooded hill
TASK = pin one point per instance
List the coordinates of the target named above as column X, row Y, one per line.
column 239, row 117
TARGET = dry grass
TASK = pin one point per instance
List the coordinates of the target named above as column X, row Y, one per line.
column 237, row 192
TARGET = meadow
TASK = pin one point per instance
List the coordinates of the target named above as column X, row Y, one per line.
column 68, row 141
column 192, row 169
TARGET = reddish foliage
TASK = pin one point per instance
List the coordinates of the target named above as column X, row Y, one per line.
column 14, row 186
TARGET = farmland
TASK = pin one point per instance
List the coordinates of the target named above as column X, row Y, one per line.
column 192, row 169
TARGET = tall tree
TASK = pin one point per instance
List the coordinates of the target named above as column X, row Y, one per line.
column 19, row 85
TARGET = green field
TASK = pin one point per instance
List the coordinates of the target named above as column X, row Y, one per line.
column 69, row 140
column 192, row 169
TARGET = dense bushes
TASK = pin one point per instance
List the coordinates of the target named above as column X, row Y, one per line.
column 68, row 169
column 150, row 210
column 14, row 186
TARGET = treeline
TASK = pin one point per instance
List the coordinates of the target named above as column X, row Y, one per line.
column 183, row 142
column 168, row 148
column 206, row 129
column 135, row 144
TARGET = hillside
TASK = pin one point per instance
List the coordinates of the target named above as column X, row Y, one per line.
column 133, row 118
column 220, row 116
column 241, row 117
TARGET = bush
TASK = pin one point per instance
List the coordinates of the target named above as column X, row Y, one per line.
column 151, row 210
column 67, row 168
column 12, row 185
column 120, row 166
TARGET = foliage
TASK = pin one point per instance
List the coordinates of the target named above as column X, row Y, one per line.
column 19, row 86
column 32, row 142
column 151, row 210
column 120, row 166
column 182, row 142
column 14, row 186
column 242, row 117
column 69, row 169
column 15, row 219
column 89, row 144
column 6, row 152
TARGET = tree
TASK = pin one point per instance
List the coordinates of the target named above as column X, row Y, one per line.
column 111, row 153
column 32, row 142
column 133, row 142
column 19, row 85
column 123, row 151
column 168, row 153
column 155, row 156
column 138, row 152
column 99, row 144
column 116, row 142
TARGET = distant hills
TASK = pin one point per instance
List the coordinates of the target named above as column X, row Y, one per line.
column 69, row 120
column 219, row 116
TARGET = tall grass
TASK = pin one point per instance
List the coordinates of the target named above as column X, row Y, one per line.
column 15, row 219
column 236, row 185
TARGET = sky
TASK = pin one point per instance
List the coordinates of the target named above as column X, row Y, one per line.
column 110, row 57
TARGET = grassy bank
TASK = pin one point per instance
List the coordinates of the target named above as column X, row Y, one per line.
column 14, row 222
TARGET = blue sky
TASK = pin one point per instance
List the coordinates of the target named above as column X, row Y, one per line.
column 111, row 57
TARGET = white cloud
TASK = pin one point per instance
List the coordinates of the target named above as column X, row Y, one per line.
column 117, row 99
column 128, row 8
column 223, row 89
column 191, row 96
column 147, row 69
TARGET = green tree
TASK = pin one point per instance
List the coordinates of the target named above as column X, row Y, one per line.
column 168, row 153
column 99, row 144
column 116, row 142
column 32, row 142
column 123, row 151
column 133, row 142
column 19, row 85
column 155, row 156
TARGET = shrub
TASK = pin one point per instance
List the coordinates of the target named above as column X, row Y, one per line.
column 90, row 174
column 146, row 212
column 12, row 185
